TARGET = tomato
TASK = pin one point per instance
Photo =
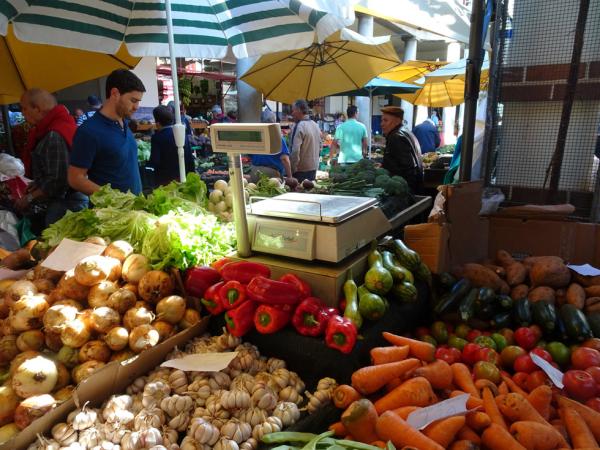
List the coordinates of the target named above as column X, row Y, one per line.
column 525, row 338
column 592, row 343
column 470, row 353
column 420, row 331
column 520, row 379
column 537, row 331
column 560, row 353
column 500, row 341
column 594, row 403
column 594, row 371
column 535, row 379
column 430, row 339
column 542, row 354
column 489, row 355
column 485, row 341
column 579, row 384
column 439, row 332
column 486, row 371
column 585, row 357
column 509, row 335
column 448, row 354
column 471, row 335
column 509, row 354
column 541, row 344
column 457, row 342
column 524, row 363
column 462, row 330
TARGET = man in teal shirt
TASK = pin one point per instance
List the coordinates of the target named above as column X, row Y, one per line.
column 350, row 138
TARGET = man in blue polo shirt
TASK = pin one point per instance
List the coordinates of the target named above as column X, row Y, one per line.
column 104, row 150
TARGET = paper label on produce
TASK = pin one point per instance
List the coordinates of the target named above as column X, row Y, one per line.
column 69, row 253
column 555, row 375
column 585, row 270
column 455, row 406
column 202, row 362
column 7, row 274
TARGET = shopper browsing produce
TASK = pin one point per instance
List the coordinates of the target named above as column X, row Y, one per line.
column 277, row 165
column 350, row 139
column 305, row 143
column 104, row 149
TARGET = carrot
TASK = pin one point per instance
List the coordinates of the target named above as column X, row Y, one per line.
column 370, row 379
column 359, row 419
column 540, row 398
column 404, row 411
column 503, row 388
column 391, row 427
column 491, row 409
column 472, row 402
column 579, row 432
column 591, row 417
column 419, row 349
column 444, row 431
column 467, row 433
column 338, row 429
column 560, row 427
column 497, row 438
column 393, row 384
column 482, row 383
column 512, row 386
column 464, row 445
column 414, row 392
column 438, row 373
column 379, row 444
column 478, row 420
column 463, row 379
column 344, row 395
column 534, row 435
column 382, row 355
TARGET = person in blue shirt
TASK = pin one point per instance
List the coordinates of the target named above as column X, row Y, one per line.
column 427, row 135
column 164, row 158
column 277, row 165
column 104, row 150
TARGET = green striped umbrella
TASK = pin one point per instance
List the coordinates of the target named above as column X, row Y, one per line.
column 201, row 28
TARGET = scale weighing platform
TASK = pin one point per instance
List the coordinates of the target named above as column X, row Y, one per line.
column 313, row 226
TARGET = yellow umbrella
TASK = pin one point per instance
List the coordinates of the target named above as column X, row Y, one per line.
column 343, row 62
column 410, row 71
column 25, row 65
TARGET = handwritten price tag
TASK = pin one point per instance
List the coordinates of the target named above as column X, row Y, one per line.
column 69, row 253
column 455, row 406
column 555, row 375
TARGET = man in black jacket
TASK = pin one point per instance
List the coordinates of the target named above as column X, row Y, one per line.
column 401, row 155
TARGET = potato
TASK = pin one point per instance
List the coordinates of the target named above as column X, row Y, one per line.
column 504, row 258
column 518, row 292
column 542, row 293
column 481, row 276
column 576, row 296
column 549, row 272
column 592, row 291
column 531, row 260
column 516, row 273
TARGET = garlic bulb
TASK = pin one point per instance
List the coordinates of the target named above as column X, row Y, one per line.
column 112, row 432
column 275, row 363
column 189, row 443
column 64, row 434
column 170, row 436
column 203, row 432
column 180, row 422
column 227, row 341
column 151, row 437
column 236, row 430
column 132, row 441
column 200, row 390
column 317, row 400
column 290, row 394
column 287, row 412
column 149, row 417
column 154, row 392
column 160, row 374
column 84, row 418
column 297, row 382
column 253, row 416
column 244, row 382
column 137, row 386
column 263, row 397
column 235, row 400
column 282, row 377
column 326, row 383
column 178, row 382
column 271, row 425
column 226, row 444
column 176, row 404
column 219, row 380
column 250, row 444
column 90, row 438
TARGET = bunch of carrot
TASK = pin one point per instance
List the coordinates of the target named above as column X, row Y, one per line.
column 405, row 377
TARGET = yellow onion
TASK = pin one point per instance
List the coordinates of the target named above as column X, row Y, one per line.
column 140, row 314
column 64, row 376
column 171, row 309
column 35, row 376
column 94, row 350
column 4, row 308
column 57, row 316
column 190, row 318
column 44, row 286
column 8, row 404
column 31, row 340
column 5, row 328
column 27, row 313
column 155, row 285
column 121, row 300
column 68, row 356
column 64, row 394
column 143, row 337
column 8, row 349
column 117, row 338
column 83, row 371
column 131, row 287
column 104, row 318
column 122, row 355
column 75, row 333
column 164, row 328
column 119, row 250
column 68, row 302
column 18, row 289
column 135, row 267
column 53, row 341
column 70, row 288
column 33, row 408
column 99, row 293
column 94, row 269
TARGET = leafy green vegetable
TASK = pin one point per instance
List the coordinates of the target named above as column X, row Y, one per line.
column 107, row 197
column 266, row 188
column 144, row 150
column 73, row 225
column 188, row 196
column 131, row 226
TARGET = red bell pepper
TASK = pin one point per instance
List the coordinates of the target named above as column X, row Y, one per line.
column 244, row 271
column 199, row 279
column 232, row 294
column 265, row 290
column 308, row 319
column 240, row 320
column 327, row 313
column 269, row 319
column 340, row 334
column 303, row 286
column 218, row 265
column 211, row 300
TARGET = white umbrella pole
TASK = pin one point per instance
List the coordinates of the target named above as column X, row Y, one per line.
column 178, row 128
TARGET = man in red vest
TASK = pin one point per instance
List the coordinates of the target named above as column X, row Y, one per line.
column 46, row 157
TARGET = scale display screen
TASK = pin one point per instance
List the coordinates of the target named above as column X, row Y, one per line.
column 240, row 135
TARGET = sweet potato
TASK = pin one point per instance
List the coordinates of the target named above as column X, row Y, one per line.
column 516, row 273
column 561, row 297
column 549, row 272
column 481, row 276
column 592, row 304
column 504, row 288
column 504, row 258
column 586, row 281
column 576, row 295
column 531, row 260
column 592, row 291
column 498, row 270
column 520, row 291
column 542, row 294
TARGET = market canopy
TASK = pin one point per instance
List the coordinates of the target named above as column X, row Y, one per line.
column 25, row 66
column 345, row 61
column 410, row 71
column 380, row 86
column 202, row 28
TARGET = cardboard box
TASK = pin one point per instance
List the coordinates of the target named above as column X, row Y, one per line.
column 431, row 241
column 111, row 379
column 576, row 242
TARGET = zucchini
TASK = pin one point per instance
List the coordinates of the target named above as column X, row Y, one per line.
column 458, row 291
column 561, row 330
column 544, row 315
column 505, row 302
column 485, row 311
column 502, row 320
column 466, row 308
column 446, row 279
column 577, row 326
column 594, row 323
column 485, row 295
column 521, row 312
column 407, row 257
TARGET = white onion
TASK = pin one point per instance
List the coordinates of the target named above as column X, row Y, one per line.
column 31, row 340
column 35, row 376
column 164, row 328
column 155, row 285
column 94, row 269
column 99, row 293
column 33, row 408
column 28, row 311
column 8, row 349
column 20, row 288
column 140, row 314
column 190, row 318
column 119, row 250
column 117, row 338
column 8, row 404
column 142, row 338
column 57, row 316
column 121, row 300
column 104, row 318
column 94, row 350
column 75, row 333
column 70, row 288
column 83, row 371
column 135, row 267
column 68, row 356
column 171, row 309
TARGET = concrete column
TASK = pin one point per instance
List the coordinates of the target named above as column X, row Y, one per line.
column 365, row 27
column 452, row 55
column 249, row 100
column 421, row 114
column 410, row 53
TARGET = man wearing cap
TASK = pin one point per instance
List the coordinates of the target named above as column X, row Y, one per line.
column 305, row 143
column 401, row 155
column 94, row 104
column 218, row 116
